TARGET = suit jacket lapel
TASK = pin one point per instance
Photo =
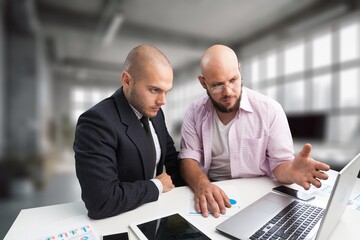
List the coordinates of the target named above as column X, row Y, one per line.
column 134, row 131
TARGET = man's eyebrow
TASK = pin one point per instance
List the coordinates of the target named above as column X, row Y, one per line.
column 157, row 88
column 236, row 76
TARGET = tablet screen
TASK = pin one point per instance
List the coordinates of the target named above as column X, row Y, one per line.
column 170, row 227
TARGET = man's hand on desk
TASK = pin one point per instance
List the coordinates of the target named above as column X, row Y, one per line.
column 303, row 170
column 208, row 195
column 166, row 181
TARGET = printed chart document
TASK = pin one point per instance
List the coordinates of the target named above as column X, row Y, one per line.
column 75, row 228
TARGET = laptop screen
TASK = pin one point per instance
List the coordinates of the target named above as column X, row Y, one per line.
column 339, row 197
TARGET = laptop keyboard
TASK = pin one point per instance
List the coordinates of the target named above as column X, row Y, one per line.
column 293, row 222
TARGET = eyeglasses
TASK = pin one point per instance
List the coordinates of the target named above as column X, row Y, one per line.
column 219, row 87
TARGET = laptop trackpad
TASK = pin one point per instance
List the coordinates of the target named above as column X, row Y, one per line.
column 250, row 219
column 268, row 207
column 273, row 203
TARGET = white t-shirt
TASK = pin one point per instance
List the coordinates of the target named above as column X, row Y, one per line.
column 220, row 164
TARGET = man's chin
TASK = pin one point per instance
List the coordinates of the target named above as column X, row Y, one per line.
column 222, row 108
column 151, row 114
column 226, row 109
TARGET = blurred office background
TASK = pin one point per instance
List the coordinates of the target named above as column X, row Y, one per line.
column 58, row 58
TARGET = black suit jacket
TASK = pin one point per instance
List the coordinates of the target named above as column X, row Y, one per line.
column 112, row 158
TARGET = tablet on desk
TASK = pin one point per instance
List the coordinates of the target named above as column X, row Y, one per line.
column 172, row 226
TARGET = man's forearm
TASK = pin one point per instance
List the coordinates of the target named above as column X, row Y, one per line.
column 192, row 174
column 282, row 172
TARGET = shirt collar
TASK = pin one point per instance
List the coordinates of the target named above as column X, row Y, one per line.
column 137, row 113
column 244, row 102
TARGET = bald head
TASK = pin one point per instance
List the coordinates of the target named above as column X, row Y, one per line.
column 142, row 58
column 217, row 60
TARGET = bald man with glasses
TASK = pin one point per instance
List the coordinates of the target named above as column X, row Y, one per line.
column 235, row 132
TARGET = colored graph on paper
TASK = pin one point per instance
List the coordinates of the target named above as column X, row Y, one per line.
column 78, row 233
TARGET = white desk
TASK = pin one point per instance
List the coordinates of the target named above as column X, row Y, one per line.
column 248, row 191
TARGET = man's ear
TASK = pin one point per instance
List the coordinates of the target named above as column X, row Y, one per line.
column 125, row 78
column 202, row 81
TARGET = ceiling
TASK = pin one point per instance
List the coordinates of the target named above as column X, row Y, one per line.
column 76, row 31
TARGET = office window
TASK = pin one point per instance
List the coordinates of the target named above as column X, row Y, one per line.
column 321, row 92
column 255, row 73
column 330, row 83
column 271, row 65
column 82, row 98
column 96, row 95
column 294, row 58
column 78, row 96
column 189, row 94
column 77, row 99
column 245, row 70
column 349, row 42
column 348, row 128
column 272, row 92
column 349, row 88
column 321, row 51
column 294, row 96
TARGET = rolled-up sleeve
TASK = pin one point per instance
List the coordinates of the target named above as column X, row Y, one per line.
column 280, row 144
column 191, row 143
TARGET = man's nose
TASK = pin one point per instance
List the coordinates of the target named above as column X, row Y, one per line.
column 161, row 99
column 227, row 89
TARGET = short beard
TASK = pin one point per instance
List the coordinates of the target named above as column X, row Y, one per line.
column 221, row 108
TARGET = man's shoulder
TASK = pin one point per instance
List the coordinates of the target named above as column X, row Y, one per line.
column 200, row 103
column 110, row 103
column 198, row 109
column 104, row 105
column 103, row 110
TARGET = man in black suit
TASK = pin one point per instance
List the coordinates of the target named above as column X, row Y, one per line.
column 117, row 166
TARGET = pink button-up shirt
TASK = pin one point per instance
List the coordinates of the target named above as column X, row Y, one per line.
column 259, row 138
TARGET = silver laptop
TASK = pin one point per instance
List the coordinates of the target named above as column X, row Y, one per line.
column 274, row 215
